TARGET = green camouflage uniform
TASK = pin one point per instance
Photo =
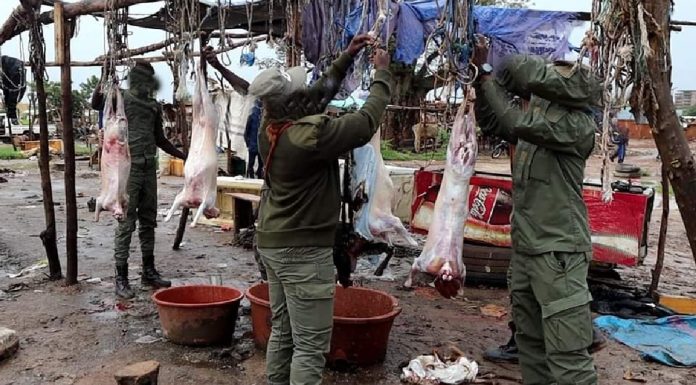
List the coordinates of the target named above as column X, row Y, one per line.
column 550, row 231
column 143, row 116
column 298, row 219
column 145, row 134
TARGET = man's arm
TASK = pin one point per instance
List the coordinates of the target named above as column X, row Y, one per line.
column 330, row 81
column 97, row 101
column 494, row 112
column 240, row 85
column 326, row 87
column 356, row 129
column 546, row 124
column 162, row 142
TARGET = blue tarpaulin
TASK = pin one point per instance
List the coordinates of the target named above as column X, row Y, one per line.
column 517, row 30
column 669, row 340
column 513, row 30
column 411, row 22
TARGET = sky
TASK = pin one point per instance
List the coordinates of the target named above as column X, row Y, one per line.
column 90, row 43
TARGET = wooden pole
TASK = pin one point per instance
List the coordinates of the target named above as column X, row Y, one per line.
column 99, row 61
column 182, row 130
column 662, row 240
column 659, row 110
column 48, row 235
column 64, row 34
column 14, row 26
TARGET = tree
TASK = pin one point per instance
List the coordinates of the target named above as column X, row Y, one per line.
column 413, row 84
column 659, row 109
column 690, row 111
column 668, row 134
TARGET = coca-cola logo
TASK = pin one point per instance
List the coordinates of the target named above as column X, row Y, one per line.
column 478, row 206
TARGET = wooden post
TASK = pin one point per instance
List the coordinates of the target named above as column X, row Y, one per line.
column 182, row 129
column 64, row 34
column 657, row 271
column 48, row 235
column 667, row 131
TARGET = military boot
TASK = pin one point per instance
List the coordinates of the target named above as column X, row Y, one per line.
column 598, row 341
column 150, row 276
column 505, row 353
column 123, row 289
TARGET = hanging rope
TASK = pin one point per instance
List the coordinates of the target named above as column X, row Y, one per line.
column 116, row 45
column 248, row 56
column 622, row 28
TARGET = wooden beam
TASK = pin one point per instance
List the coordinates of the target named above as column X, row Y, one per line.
column 139, row 51
column 14, row 27
column 153, row 59
column 68, row 144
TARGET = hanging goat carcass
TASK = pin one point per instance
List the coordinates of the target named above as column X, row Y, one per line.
column 115, row 158
column 442, row 254
column 200, row 170
column 374, row 189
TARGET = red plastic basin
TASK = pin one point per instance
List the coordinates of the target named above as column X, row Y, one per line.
column 363, row 319
column 198, row 314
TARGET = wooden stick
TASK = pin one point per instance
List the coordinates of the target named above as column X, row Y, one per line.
column 48, row 235
column 139, row 51
column 68, row 143
column 153, row 59
column 13, row 27
column 662, row 240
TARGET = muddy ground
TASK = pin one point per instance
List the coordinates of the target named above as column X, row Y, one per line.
column 81, row 335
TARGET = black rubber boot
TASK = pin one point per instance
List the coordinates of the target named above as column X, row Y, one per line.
column 598, row 341
column 150, row 276
column 507, row 353
column 123, row 289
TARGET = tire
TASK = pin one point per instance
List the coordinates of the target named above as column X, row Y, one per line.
column 497, row 152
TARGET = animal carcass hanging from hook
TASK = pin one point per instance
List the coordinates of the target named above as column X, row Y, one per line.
column 200, row 170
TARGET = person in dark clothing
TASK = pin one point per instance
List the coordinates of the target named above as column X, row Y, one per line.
column 13, row 85
column 145, row 135
column 620, row 139
column 251, row 138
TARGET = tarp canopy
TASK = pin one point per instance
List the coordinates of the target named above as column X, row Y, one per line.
column 513, row 30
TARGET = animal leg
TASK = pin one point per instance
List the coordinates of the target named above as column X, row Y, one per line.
column 175, row 206
column 382, row 266
column 199, row 212
column 98, row 209
column 414, row 269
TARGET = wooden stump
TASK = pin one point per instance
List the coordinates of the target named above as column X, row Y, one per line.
column 141, row 373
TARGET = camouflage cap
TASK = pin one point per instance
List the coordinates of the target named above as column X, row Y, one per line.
column 275, row 82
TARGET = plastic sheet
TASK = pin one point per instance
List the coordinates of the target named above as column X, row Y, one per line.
column 670, row 341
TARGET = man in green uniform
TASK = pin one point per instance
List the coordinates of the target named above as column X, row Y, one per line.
column 550, row 232
column 145, row 134
column 300, row 205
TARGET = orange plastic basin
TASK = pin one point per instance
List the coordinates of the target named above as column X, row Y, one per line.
column 198, row 314
column 363, row 319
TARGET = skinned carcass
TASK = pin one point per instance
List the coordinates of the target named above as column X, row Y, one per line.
column 115, row 158
column 372, row 188
column 200, row 170
column 442, row 254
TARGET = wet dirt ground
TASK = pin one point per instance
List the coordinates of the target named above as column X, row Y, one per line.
column 81, row 335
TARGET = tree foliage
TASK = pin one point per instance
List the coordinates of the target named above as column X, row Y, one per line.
column 689, row 111
column 81, row 98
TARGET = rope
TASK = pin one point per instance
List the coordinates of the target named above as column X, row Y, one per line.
column 623, row 27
